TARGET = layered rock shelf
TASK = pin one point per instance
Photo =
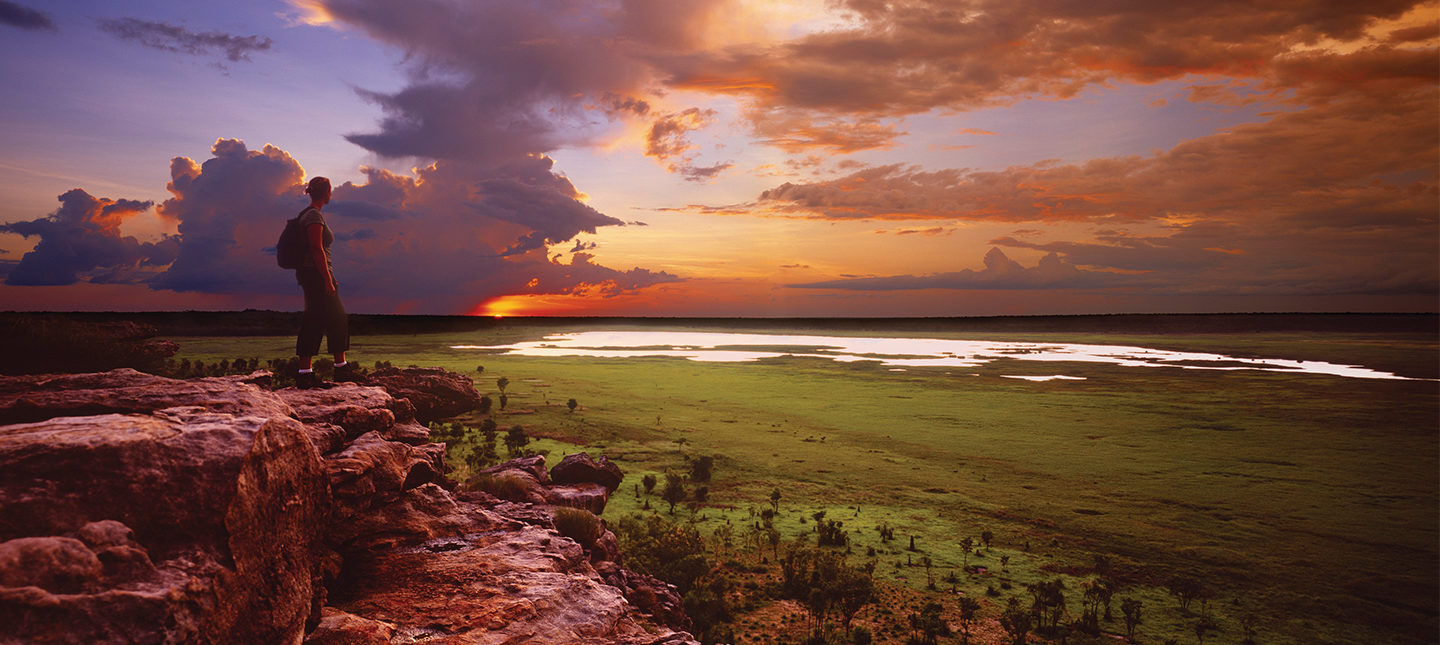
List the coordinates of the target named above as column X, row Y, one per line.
column 141, row 509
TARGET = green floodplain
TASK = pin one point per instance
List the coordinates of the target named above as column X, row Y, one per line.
column 1305, row 504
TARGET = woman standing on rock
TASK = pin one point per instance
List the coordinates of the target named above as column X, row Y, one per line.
column 324, row 313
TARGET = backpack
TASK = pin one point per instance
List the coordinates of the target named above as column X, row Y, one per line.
column 290, row 250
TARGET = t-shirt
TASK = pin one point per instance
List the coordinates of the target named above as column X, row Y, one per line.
column 312, row 216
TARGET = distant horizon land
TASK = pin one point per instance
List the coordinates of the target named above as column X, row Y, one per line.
column 260, row 322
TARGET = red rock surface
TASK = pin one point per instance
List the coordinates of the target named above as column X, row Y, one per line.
column 436, row 393
column 137, row 509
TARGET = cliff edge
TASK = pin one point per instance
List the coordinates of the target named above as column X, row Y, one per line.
column 141, row 509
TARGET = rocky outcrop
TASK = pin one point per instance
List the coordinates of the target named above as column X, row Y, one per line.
column 138, row 509
column 436, row 393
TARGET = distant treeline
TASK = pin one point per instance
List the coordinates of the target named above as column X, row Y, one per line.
column 278, row 323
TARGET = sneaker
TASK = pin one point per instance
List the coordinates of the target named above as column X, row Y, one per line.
column 351, row 373
column 307, row 381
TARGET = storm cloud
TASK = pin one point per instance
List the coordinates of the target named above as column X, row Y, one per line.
column 441, row 241
column 82, row 241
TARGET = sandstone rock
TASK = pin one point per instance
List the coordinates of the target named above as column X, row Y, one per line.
column 204, row 511
column 533, row 466
column 343, row 627
column 589, row 496
column 55, row 564
column 372, row 470
column 25, row 399
column 580, row 467
column 436, row 393
column 231, row 508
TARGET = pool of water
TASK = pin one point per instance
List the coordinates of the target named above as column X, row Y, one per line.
column 896, row 353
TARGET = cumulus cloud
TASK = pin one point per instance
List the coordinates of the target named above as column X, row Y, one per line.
column 1000, row 272
column 22, row 17
column 439, row 241
column 493, row 80
column 176, row 39
column 82, row 241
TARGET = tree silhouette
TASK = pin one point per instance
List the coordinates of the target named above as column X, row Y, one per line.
column 649, row 481
column 701, row 467
column 966, row 545
column 1131, row 607
column 674, row 491
column 515, row 441
column 1015, row 620
column 572, row 404
column 928, row 624
column 968, row 607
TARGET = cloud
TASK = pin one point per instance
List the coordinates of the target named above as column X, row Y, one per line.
column 1000, row 272
column 668, row 140
column 1334, row 195
column 172, row 38
column 493, row 80
column 81, row 241
column 449, row 236
column 22, row 17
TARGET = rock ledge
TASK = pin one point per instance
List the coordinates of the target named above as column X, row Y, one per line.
column 140, row 509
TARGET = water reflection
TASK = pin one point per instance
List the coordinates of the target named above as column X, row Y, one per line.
column 897, row 353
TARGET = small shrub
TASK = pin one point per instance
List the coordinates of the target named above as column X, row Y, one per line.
column 511, row 487
column 577, row 524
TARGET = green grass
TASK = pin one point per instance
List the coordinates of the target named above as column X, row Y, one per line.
column 1309, row 500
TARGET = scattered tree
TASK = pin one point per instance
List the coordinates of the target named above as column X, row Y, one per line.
column 986, row 536
column 1015, row 620
column 968, row 607
column 1047, row 604
column 515, row 441
column 671, row 551
column 649, row 481
column 700, row 468
column 1130, row 608
column 775, row 500
column 502, row 383
column 831, row 533
column 674, row 491
column 572, row 404
column 480, row 369
column 966, row 545
column 928, row 625
column 1185, row 589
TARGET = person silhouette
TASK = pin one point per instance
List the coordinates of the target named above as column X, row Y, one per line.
column 324, row 313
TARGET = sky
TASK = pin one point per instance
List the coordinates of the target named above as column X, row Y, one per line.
column 730, row 158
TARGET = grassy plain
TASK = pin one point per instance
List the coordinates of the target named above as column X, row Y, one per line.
column 1306, row 501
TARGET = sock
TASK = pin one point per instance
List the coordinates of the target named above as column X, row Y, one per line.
column 309, row 371
column 342, row 363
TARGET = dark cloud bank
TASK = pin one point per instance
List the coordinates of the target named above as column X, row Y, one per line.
column 440, row 242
